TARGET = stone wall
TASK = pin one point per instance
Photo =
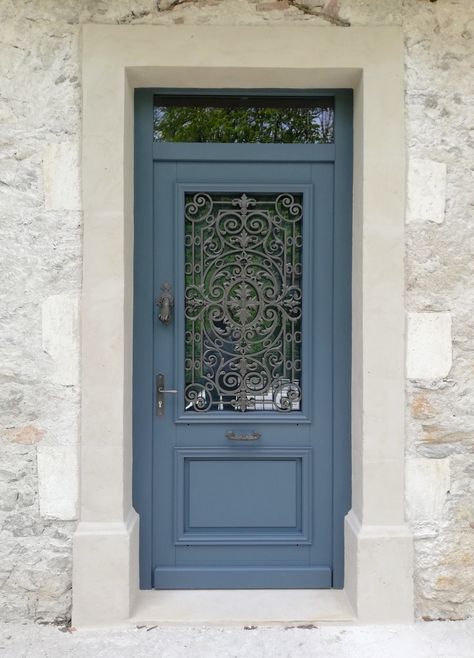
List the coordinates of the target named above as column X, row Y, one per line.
column 40, row 226
column 440, row 304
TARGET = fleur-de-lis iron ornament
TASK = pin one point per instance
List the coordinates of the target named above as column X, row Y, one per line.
column 165, row 302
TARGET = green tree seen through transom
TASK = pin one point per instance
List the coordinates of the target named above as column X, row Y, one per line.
column 313, row 125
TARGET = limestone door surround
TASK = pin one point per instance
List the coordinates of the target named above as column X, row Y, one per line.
column 378, row 544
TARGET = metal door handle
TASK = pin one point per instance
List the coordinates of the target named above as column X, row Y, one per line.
column 232, row 436
column 160, row 391
column 165, row 302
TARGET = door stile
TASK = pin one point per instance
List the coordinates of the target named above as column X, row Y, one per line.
column 342, row 327
column 143, row 326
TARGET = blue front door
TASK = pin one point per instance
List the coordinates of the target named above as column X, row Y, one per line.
column 238, row 359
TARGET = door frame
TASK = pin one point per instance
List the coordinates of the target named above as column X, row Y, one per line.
column 117, row 59
column 339, row 153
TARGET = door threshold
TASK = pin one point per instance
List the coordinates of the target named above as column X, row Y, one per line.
column 264, row 606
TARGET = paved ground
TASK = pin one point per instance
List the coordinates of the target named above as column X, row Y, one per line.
column 422, row 640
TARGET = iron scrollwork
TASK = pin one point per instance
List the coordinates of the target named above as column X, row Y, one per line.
column 243, row 302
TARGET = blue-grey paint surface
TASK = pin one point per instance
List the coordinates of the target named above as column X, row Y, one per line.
column 215, row 513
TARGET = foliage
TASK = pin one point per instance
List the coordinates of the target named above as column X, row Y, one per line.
column 244, row 125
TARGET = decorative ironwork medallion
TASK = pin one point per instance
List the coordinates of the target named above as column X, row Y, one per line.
column 243, row 301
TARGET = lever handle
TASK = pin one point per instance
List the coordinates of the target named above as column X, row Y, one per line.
column 160, row 391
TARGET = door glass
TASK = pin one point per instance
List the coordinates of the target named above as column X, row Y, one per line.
column 238, row 119
column 243, row 301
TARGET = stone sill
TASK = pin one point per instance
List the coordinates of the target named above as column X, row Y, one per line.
column 241, row 607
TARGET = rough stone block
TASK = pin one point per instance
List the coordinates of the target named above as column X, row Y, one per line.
column 427, row 483
column 58, row 481
column 26, row 435
column 429, row 345
column 60, row 336
column 426, row 191
column 61, row 177
column 421, row 407
column 278, row 5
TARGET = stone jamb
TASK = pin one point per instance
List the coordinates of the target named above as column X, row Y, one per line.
column 117, row 59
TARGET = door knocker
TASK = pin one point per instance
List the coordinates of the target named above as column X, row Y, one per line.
column 165, row 302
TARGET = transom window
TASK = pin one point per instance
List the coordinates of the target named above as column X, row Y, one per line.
column 244, row 119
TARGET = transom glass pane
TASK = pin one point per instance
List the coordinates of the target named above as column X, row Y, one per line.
column 243, row 301
column 236, row 119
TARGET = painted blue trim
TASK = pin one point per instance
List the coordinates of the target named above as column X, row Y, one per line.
column 143, row 323
column 342, row 329
column 238, row 91
column 244, row 152
column 296, row 536
column 243, row 578
column 248, row 418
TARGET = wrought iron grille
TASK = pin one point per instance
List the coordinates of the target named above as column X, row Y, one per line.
column 243, row 301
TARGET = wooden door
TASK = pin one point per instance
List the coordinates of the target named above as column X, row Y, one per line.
column 235, row 464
